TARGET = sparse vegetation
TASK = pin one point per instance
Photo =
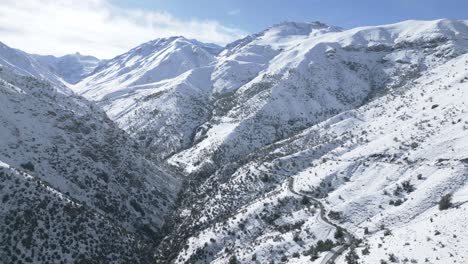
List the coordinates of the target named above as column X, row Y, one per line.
column 321, row 246
column 233, row 260
column 352, row 257
column 366, row 251
column 407, row 186
column 28, row 166
column 445, row 202
column 366, row 230
column 233, row 149
column 339, row 234
column 392, row 258
column 305, row 200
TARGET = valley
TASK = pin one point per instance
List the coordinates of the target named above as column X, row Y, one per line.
column 303, row 143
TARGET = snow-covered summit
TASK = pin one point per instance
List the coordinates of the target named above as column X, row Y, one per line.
column 212, row 48
column 411, row 32
column 25, row 64
column 280, row 33
column 290, row 28
column 72, row 68
column 151, row 62
column 318, row 69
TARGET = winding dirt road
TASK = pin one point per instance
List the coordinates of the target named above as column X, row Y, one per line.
column 349, row 239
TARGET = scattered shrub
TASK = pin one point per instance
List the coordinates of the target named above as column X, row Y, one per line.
column 233, row 260
column 339, row 233
column 387, row 232
column 445, row 202
column 352, row 257
column 326, row 245
column 28, row 166
column 366, row 251
column 392, row 258
column 407, row 186
column 305, row 200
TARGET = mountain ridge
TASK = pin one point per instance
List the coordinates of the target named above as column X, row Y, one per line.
column 70, row 176
column 371, row 122
column 72, row 68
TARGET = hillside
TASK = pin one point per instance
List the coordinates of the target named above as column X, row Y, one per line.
column 422, row 71
column 25, row 64
column 39, row 224
column 383, row 166
column 71, row 149
column 158, row 92
column 303, row 143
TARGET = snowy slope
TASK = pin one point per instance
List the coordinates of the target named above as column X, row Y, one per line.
column 244, row 59
column 212, row 48
column 371, row 121
column 412, row 123
column 71, row 68
column 315, row 77
column 151, row 62
column 26, row 65
column 172, row 119
column 69, row 144
column 39, row 224
column 158, row 92
column 356, row 161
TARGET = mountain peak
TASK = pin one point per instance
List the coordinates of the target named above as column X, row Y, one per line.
column 154, row 61
column 301, row 28
column 161, row 43
column 281, row 32
column 316, row 24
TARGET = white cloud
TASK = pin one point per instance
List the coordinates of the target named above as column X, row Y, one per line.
column 234, row 12
column 96, row 27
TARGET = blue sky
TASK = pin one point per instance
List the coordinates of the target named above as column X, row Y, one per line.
column 255, row 15
column 107, row 28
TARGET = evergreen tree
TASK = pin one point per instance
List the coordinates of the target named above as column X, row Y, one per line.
column 339, row 233
column 352, row 257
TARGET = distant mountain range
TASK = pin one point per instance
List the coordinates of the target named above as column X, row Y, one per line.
column 72, row 68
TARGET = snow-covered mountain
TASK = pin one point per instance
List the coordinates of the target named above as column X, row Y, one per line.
column 248, row 90
column 159, row 92
column 238, row 173
column 304, row 143
column 25, row 64
column 61, row 71
column 72, row 68
column 379, row 170
column 313, row 77
column 76, row 183
column 212, row 48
